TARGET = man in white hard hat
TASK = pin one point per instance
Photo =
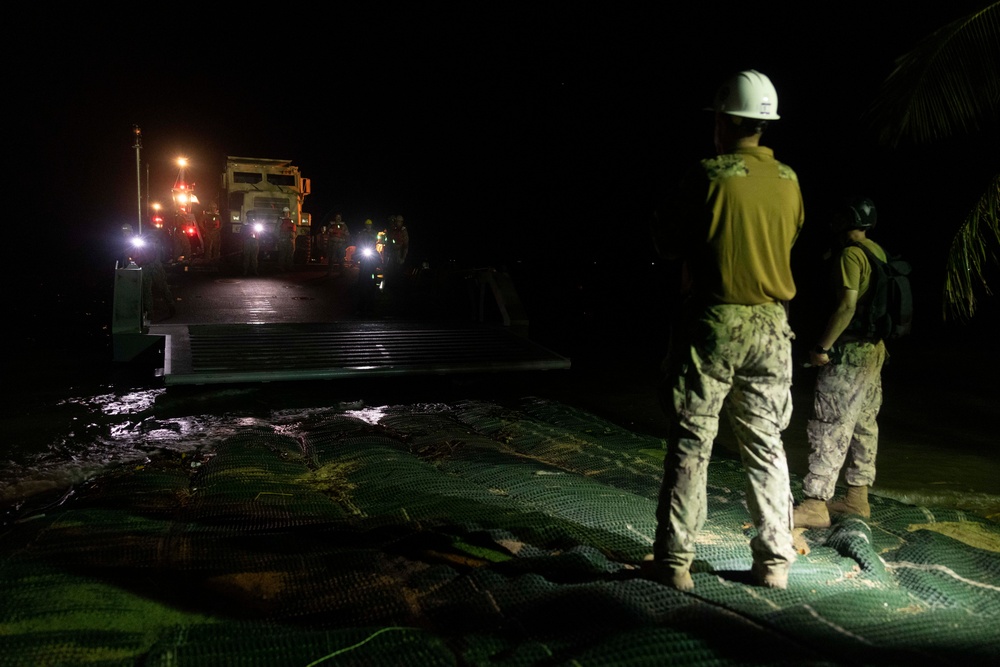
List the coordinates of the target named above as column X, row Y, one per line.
column 731, row 222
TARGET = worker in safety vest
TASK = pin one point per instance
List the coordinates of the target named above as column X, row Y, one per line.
column 211, row 233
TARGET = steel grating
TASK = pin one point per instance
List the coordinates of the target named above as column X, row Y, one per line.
column 234, row 353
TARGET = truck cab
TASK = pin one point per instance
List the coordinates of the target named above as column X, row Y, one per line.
column 256, row 191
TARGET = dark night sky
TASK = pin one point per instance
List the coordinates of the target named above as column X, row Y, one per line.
column 513, row 127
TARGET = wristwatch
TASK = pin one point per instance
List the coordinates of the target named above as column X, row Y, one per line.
column 819, row 350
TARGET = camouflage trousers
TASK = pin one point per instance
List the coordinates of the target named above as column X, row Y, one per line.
column 847, row 401
column 737, row 357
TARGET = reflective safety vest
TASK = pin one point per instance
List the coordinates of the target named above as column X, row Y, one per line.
column 338, row 231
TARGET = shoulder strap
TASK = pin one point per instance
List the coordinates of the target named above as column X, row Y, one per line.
column 864, row 321
column 872, row 257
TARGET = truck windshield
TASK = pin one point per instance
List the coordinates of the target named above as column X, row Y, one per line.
column 246, row 177
column 281, row 179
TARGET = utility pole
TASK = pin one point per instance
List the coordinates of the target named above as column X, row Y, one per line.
column 138, row 171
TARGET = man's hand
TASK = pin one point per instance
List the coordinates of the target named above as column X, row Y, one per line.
column 816, row 358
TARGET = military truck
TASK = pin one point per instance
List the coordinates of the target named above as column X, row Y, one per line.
column 254, row 194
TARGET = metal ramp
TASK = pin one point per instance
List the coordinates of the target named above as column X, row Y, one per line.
column 196, row 354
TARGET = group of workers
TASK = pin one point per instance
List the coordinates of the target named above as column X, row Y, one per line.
column 183, row 227
column 730, row 225
column 285, row 235
column 380, row 255
column 386, row 249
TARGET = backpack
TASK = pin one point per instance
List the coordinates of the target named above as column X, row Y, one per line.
column 888, row 314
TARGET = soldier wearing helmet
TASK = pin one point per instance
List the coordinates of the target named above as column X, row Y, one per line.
column 848, row 391
column 730, row 224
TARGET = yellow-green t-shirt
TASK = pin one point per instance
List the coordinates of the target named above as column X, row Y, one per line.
column 855, row 269
column 736, row 219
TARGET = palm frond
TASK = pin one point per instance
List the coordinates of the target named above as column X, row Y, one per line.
column 971, row 247
column 948, row 84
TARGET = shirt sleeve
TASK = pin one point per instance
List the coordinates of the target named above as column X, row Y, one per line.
column 852, row 264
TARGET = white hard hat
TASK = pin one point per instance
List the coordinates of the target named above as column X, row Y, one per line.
column 749, row 94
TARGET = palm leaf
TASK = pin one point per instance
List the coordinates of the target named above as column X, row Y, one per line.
column 948, row 84
column 970, row 249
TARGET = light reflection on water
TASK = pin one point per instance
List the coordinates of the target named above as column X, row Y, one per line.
column 131, row 403
column 370, row 415
column 75, row 438
column 79, row 436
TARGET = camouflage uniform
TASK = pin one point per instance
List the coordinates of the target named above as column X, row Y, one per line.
column 847, row 401
column 733, row 221
column 746, row 352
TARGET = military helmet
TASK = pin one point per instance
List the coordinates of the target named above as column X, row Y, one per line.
column 856, row 213
column 749, row 94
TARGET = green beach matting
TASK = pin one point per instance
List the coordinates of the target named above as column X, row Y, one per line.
column 469, row 533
